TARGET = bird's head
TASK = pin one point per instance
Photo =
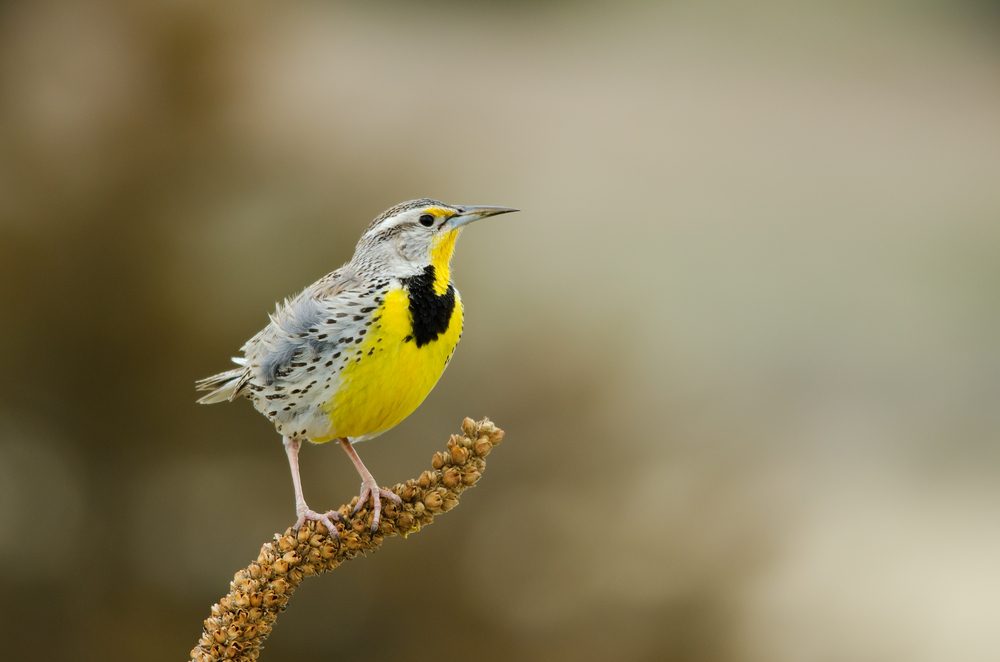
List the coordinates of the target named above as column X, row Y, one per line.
column 417, row 234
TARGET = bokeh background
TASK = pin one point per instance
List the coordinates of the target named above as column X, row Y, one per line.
column 743, row 337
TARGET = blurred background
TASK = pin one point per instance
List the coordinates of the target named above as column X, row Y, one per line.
column 743, row 337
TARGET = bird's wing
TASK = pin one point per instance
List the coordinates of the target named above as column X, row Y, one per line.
column 303, row 328
column 269, row 353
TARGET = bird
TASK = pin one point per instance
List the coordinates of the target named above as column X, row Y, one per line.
column 356, row 352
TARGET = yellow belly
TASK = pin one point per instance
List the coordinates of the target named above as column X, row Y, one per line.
column 393, row 375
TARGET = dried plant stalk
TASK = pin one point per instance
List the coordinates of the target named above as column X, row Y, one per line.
column 241, row 621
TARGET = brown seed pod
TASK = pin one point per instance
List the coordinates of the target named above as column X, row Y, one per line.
column 433, row 501
column 470, row 476
column 459, row 455
column 405, row 522
column 408, row 492
column 451, row 477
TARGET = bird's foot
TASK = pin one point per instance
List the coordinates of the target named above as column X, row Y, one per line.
column 326, row 519
column 371, row 490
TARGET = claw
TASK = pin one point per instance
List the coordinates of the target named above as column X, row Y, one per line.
column 326, row 519
column 371, row 490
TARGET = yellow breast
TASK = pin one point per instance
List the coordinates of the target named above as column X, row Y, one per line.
column 393, row 374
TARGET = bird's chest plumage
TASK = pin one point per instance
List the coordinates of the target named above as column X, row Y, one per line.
column 412, row 337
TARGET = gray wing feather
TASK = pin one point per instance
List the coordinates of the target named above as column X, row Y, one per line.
column 299, row 329
column 296, row 326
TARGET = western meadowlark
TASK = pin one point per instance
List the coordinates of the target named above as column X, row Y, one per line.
column 356, row 352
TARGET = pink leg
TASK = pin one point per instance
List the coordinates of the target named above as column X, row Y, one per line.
column 301, row 509
column 369, row 488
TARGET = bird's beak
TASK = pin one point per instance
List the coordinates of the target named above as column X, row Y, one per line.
column 468, row 214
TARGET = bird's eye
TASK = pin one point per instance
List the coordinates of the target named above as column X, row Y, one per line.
column 426, row 220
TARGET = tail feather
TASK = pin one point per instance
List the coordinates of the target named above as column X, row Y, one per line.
column 223, row 386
